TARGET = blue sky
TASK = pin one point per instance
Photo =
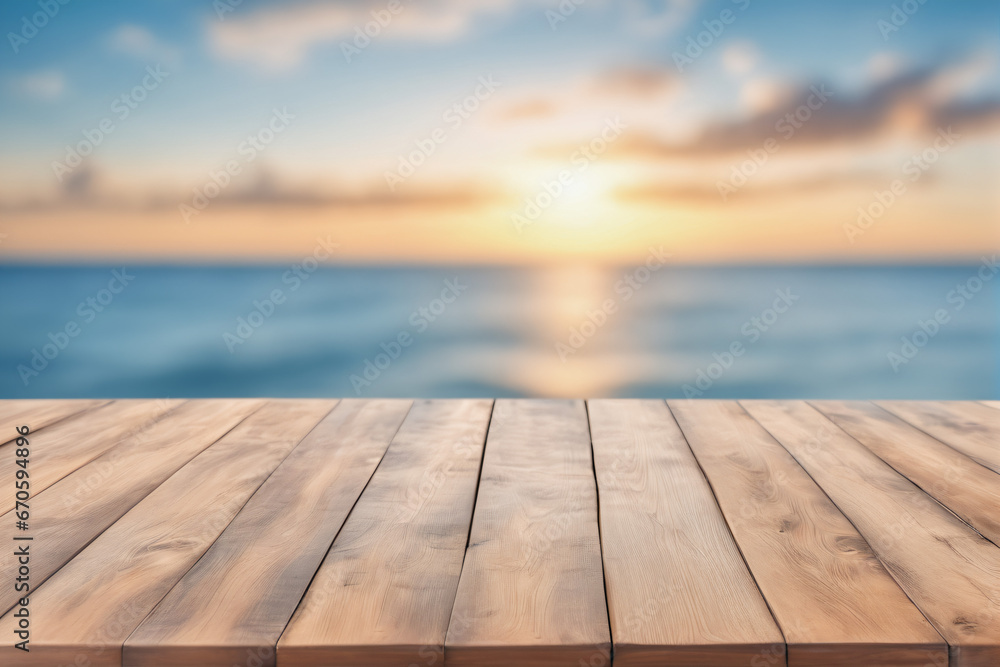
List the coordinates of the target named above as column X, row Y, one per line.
column 354, row 120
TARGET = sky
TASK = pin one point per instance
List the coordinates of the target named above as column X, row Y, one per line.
column 500, row 131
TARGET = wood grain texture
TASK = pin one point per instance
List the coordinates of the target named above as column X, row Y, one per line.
column 834, row 602
column 385, row 592
column 76, row 509
column 950, row 571
column 67, row 445
column 87, row 609
column 37, row 413
column 139, row 506
column 678, row 590
column 251, row 580
column 967, row 488
column 971, row 428
column 531, row 591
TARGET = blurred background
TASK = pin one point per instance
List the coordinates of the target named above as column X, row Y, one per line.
column 500, row 198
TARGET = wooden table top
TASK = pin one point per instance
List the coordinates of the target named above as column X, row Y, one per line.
column 315, row 532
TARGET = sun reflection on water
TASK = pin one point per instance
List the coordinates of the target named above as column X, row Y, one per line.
column 567, row 309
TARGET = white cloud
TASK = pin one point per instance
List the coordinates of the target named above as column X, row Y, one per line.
column 740, row 57
column 278, row 38
column 140, row 43
column 44, row 85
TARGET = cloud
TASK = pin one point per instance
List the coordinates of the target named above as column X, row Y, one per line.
column 529, row 109
column 86, row 187
column 46, row 85
column 79, row 188
column 642, row 84
column 740, row 57
column 139, row 42
column 708, row 193
column 278, row 38
column 265, row 188
column 911, row 103
column 80, row 184
column 761, row 94
column 635, row 82
column 961, row 78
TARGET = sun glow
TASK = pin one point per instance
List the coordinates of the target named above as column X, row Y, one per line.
column 573, row 197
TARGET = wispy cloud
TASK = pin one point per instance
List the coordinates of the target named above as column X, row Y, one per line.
column 619, row 87
column 88, row 188
column 265, row 188
column 137, row 41
column 912, row 103
column 644, row 82
column 278, row 38
column 45, row 85
column 707, row 194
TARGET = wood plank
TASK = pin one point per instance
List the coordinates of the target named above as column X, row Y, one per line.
column 384, row 593
column 949, row 570
column 86, row 610
column 967, row 488
column 251, row 580
column 971, row 428
column 531, row 591
column 70, row 444
column 834, row 602
column 37, row 413
column 678, row 589
column 72, row 512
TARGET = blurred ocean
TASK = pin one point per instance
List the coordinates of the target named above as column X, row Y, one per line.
column 781, row 332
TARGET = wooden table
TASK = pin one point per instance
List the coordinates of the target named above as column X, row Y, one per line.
column 515, row 532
